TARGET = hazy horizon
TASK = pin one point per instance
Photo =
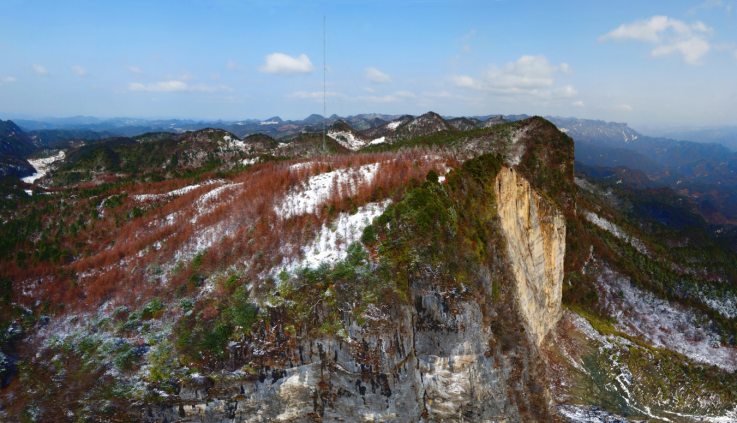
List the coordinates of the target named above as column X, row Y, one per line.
column 654, row 64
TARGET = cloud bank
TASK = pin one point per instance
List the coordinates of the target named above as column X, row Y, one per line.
column 668, row 36
column 282, row 64
column 176, row 87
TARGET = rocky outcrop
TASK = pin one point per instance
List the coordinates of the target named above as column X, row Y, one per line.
column 436, row 360
column 450, row 353
column 535, row 232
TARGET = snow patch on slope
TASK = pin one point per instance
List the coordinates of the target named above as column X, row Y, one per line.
column 616, row 231
column 661, row 323
column 332, row 241
column 347, row 139
column 582, row 414
column 176, row 192
column 726, row 305
column 42, row 166
column 305, row 197
column 393, row 125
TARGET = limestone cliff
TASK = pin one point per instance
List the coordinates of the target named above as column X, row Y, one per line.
column 450, row 353
column 535, row 232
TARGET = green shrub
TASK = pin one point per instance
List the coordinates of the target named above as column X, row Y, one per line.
column 231, row 282
column 369, row 235
column 186, row 304
column 151, row 308
column 197, row 260
column 125, row 356
column 216, row 339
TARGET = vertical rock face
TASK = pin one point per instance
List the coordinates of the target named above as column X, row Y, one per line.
column 448, row 354
column 535, row 232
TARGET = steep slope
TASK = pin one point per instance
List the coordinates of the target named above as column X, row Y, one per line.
column 610, row 134
column 15, row 146
column 346, row 136
column 258, row 278
column 13, row 141
column 387, row 129
column 618, row 175
column 153, row 153
column 59, row 138
column 702, row 171
column 535, row 232
column 425, row 280
column 652, row 335
column 493, row 121
column 462, row 124
column 427, row 124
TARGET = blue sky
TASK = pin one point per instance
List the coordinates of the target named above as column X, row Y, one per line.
column 655, row 62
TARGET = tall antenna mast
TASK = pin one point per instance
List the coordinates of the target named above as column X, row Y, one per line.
column 324, row 94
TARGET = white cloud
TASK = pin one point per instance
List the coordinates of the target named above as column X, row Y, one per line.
column 735, row 54
column 282, row 64
column 668, row 36
column 135, row 70
column 370, row 90
column 404, row 94
column 528, row 76
column 623, row 107
column 466, row 48
column 176, row 86
column 566, row 91
column 8, row 79
column 565, row 69
column 441, row 94
column 215, row 76
column 711, row 4
column 377, row 76
column 578, row 103
column 391, row 98
column 40, row 70
column 318, row 95
column 468, row 36
column 184, row 76
column 463, row 81
column 231, row 65
column 528, row 72
column 79, row 71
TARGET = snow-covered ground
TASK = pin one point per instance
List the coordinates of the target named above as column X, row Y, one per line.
column 42, row 166
column 236, row 142
column 209, row 200
column 393, row 125
column 615, row 230
column 583, row 414
column 726, row 304
column 347, row 139
column 661, row 323
column 176, row 192
column 305, row 197
column 379, row 140
column 332, row 241
column 624, row 384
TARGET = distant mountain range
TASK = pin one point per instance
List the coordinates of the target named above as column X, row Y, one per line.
column 725, row 135
column 704, row 172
